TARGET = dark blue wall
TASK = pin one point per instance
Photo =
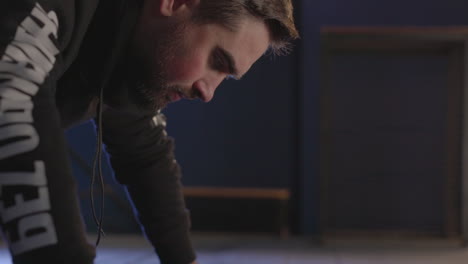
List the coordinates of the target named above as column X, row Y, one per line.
column 245, row 136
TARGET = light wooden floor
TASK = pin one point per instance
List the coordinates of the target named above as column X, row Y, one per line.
column 216, row 249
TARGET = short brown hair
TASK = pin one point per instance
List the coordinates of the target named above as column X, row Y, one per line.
column 277, row 14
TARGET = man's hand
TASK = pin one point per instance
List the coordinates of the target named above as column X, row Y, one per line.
column 195, row 262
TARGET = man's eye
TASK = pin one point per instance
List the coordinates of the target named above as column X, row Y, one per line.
column 218, row 63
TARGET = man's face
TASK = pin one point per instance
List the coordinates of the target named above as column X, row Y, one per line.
column 182, row 59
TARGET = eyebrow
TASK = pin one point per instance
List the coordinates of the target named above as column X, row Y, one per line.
column 231, row 64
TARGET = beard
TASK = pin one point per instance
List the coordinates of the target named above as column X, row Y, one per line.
column 145, row 71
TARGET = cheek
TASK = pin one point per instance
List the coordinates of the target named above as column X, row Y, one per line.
column 187, row 69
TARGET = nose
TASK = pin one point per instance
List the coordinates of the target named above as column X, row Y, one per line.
column 206, row 86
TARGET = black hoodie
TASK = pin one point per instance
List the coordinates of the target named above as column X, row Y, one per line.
column 55, row 57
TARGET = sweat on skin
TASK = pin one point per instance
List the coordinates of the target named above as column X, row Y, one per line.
column 24, row 66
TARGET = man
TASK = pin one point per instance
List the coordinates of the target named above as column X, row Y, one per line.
column 120, row 61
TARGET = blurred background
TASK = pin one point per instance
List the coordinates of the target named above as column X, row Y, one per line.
column 357, row 134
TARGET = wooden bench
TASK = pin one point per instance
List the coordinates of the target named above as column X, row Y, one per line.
column 281, row 195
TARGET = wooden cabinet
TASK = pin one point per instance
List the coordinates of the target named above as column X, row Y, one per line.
column 393, row 133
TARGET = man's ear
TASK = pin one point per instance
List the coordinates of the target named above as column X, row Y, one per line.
column 170, row 7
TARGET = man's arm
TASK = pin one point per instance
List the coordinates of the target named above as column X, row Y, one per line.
column 142, row 157
column 39, row 213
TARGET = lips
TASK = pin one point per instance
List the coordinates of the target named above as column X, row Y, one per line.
column 179, row 94
column 175, row 96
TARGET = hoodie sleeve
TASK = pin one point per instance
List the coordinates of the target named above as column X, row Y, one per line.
column 142, row 157
column 39, row 213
